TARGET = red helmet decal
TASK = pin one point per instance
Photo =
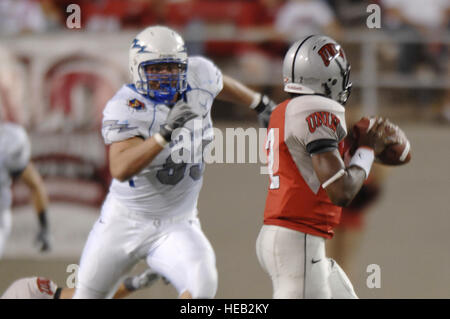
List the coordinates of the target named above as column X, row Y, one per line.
column 329, row 51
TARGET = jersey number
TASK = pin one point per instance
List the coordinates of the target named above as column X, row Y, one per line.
column 274, row 179
column 172, row 173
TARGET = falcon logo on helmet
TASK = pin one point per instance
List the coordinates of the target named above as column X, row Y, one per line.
column 158, row 64
column 141, row 48
column 317, row 65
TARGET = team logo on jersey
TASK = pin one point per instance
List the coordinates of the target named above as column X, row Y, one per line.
column 136, row 104
column 318, row 119
column 330, row 51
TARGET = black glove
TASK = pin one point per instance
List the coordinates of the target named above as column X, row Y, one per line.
column 264, row 110
column 43, row 236
column 178, row 116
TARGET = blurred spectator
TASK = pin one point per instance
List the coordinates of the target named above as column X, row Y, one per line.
column 20, row 16
column 112, row 15
column 299, row 18
column 260, row 62
column 419, row 22
column 143, row 13
column 351, row 13
column 444, row 111
column 53, row 14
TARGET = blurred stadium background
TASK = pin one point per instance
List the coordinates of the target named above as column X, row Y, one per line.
column 55, row 82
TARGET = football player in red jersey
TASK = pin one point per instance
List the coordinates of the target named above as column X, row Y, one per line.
column 309, row 182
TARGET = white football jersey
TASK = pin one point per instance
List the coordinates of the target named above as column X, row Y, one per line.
column 164, row 188
column 31, row 288
column 14, row 158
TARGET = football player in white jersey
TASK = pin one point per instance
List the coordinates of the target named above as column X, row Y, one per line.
column 151, row 209
column 15, row 163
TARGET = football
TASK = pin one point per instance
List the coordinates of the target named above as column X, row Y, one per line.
column 394, row 154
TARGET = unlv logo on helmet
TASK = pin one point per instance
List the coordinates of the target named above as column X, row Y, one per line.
column 329, row 51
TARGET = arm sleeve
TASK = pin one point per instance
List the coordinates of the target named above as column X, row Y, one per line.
column 321, row 146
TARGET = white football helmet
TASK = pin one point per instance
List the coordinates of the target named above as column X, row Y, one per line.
column 317, row 65
column 158, row 45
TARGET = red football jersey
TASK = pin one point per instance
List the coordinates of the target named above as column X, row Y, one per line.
column 295, row 198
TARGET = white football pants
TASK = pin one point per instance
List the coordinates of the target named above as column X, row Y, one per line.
column 176, row 248
column 297, row 264
column 5, row 229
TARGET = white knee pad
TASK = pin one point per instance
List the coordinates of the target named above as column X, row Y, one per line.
column 341, row 287
column 202, row 283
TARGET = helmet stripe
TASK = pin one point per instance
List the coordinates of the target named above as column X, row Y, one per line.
column 295, row 56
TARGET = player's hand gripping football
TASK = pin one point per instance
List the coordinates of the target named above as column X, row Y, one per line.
column 264, row 110
column 379, row 136
column 180, row 113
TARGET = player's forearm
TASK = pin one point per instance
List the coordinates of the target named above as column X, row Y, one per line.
column 132, row 160
column 343, row 190
column 346, row 182
column 235, row 92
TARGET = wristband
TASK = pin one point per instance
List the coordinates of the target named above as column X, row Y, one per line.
column 160, row 140
column 363, row 158
column 256, row 99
